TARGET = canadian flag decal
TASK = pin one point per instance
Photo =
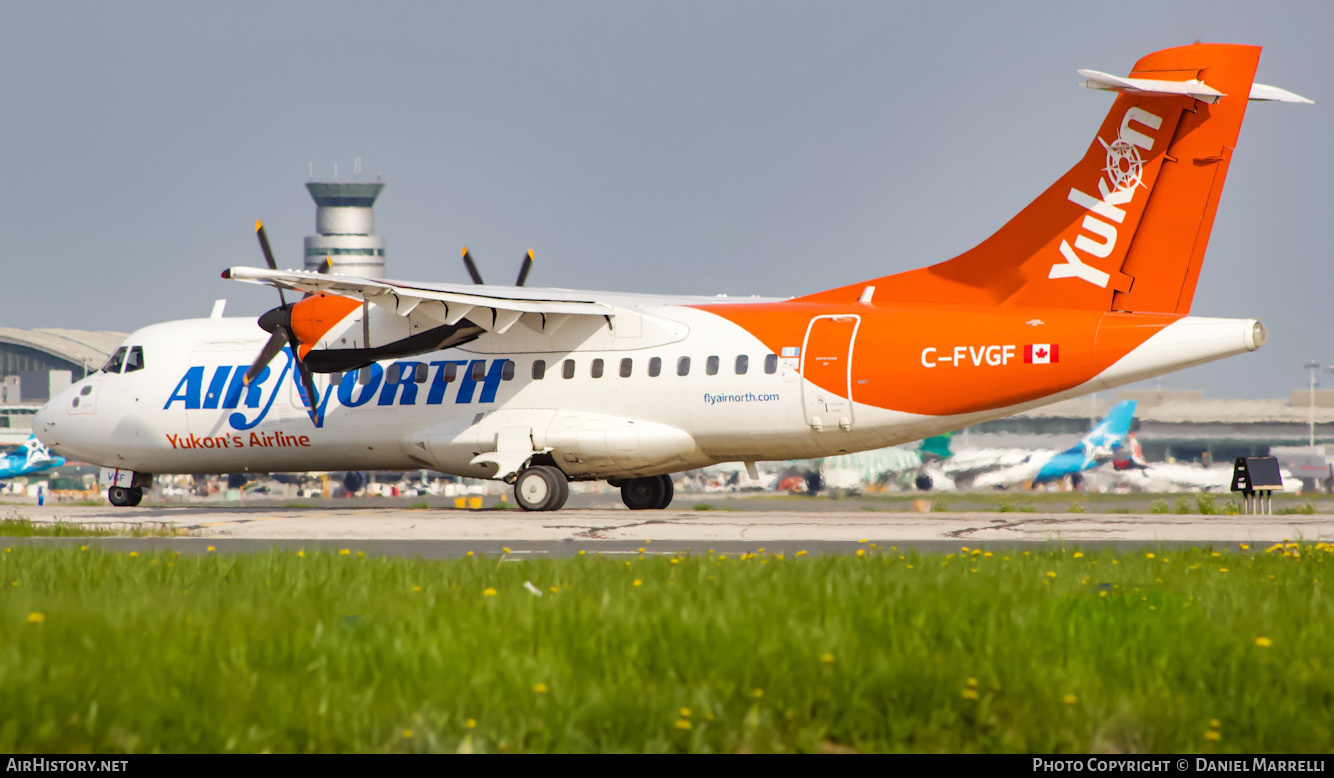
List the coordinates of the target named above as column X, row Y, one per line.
column 1042, row 353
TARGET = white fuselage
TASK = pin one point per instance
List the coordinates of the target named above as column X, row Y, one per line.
column 462, row 411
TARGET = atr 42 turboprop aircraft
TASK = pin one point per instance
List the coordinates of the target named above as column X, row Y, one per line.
column 1088, row 288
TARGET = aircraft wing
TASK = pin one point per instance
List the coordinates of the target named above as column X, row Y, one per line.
column 446, row 302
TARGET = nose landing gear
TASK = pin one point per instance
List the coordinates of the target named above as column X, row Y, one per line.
column 125, row 496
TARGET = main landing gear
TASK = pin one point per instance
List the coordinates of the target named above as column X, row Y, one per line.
column 125, row 496
column 541, row 488
column 649, row 493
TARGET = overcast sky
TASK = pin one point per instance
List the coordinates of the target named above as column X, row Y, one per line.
column 680, row 147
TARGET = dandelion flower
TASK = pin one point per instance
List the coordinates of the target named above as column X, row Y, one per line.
column 1245, row 547
column 1263, row 642
column 1078, row 555
column 682, row 724
column 1222, row 569
column 469, row 553
column 861, row 552
column 540, row 688
column 343, row 552
column 1051, row 573
column 970, row 694
column 301, row 553
column 1215, row 723
column 800, row 553
column 757, row 693
column 83, row 548
column 470, row 723
column 676, row 561
column 827, row 658
column 407, row 733
column 685, row 713
column 638, row 582
column 505, row 549
column 36, row 618
column 972, row 682
column 581, row 552
column 1149, row 555
column 416, row 588
column 489, row 592
column 134, row 553
column 555, row 590
column 1212, row 735
column 211, row 549
column 1070, row 699
column 864, row 540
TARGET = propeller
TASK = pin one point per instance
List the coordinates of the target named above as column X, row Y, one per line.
column 477, row 277
column 278, row 323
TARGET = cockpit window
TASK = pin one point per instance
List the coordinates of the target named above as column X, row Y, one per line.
column 117, row 360
column 135, row 361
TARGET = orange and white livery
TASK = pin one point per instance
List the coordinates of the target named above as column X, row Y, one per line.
column 1087, row 288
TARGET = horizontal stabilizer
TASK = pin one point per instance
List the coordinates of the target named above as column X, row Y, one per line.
column 1152, row 86
column 1267, row 92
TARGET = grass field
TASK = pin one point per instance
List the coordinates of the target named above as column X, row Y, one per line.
column 1048, row 651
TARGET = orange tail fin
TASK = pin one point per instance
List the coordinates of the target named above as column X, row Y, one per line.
column 1125, row 229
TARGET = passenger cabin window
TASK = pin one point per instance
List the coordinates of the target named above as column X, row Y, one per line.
column 507, row 370
column 451, row 372
column 364, row 375
column 135, row 361
column 539, row 369
column 627, row 365
column 116, row 362
column 478, row 370
column 655, row 367
column 419, row 373
column 394, row 374
column 595, row 369
column 683, row 366
column 711, row 366
column 771, row 363
column 742, row 364
column 567, row 368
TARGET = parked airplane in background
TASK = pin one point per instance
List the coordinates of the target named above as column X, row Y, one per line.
column 30, row 458
column 1088, row 288
column 1132, row 472
column 1041, row 467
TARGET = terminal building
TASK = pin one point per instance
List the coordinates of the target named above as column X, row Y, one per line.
column 1184, row 426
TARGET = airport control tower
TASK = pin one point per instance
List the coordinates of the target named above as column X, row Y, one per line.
column 344, row 219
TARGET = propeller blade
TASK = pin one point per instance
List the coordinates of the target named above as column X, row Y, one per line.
column 268, row 253
column 276, row 342
column 524, row 268
column 472, row 269
column 264, row 245
column 307, row 380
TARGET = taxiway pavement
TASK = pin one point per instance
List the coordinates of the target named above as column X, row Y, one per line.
column 273, row 523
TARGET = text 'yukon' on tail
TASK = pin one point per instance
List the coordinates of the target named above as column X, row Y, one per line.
column 1126, row 228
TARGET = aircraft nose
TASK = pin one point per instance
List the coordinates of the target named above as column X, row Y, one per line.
column 43, row 421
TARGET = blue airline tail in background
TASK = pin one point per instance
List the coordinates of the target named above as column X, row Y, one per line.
column 1094, row 448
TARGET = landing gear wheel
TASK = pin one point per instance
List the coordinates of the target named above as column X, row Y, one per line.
column 668, row 491
column 923, row 482
column 541, row 488
column 125, row 496
column 648, row 493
